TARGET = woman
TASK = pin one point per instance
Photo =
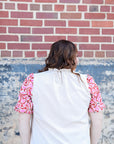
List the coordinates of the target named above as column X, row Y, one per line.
column 60, row 102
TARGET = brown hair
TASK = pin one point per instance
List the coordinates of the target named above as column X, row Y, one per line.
column 62, row 54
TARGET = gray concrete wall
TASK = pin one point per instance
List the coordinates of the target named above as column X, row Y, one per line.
column 12, row 74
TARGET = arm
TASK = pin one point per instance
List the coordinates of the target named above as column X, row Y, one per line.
column 25, row 127
column 95, row 126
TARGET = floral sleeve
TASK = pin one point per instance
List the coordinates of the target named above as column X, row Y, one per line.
column 24, row 104
column 96, row 103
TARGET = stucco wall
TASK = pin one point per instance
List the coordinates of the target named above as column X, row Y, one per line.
column 12, row 74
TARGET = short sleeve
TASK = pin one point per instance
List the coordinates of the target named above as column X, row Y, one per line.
column 96, row 103
column 24, row 104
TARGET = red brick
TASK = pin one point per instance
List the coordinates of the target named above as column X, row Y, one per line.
column 46, row 15
column 82, row 8
column 102, row 23
column 46, row 1
column 2, row 29
column 29, row 54
column 22, row 6
column 89, row 31
column 8, row 22
column 93, row 1
column 10, row 6
column 59, row 7
column 47, row 7
column 44, row 46
column 107, row 46
column 108, row 31
column 99, row 54
column 4, row 14
column 66, row 30
column 79, row 53
column 79, row 23
column 18, row 46
column 8, row 38
column 34, row 7
column 69, row 1
column 17, row 53
column 94, row 15
column 22, row 0
column 70, row 15
column 100, row 39
column 2, row 46
column 112, row 8
column 110, row 16
column 88, row 53
column 31, row 22
column 89, row 47
column 109, row 53
column 93, row 8
column 105, row 9
column 1, row 5
column 18, row 30
column 5, row 53
column 31, row 38
column 41, row 54
column 109, row 1
column 21, row 14
column 54, row 38
column 42, row 30
column 71, row 8
column 55, row 23
column 78, row 38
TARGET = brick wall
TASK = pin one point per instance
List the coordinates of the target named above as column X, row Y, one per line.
column 28, row 27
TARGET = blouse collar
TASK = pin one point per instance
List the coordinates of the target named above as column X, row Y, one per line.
column 61, row 70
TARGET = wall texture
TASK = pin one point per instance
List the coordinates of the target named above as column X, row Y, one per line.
column 28, row 27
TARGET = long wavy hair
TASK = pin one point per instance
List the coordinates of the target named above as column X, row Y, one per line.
column 62, row 54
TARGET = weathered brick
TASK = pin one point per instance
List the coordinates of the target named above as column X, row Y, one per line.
column 18, row 30
column 42, row 30
column 46, row 1
column 107, row 46
column 93, row 1
column 71, row 7
column 108, row 31
column 22, row 6
column 19, row 46
column 44, row 46
column 10, row 6
column 102, row 23
column 31, row 38
column 2, row 46
column 1, row 5
column 78, row 38
column 4, row 14
column 112, row 8
column 109, row 53
column 100, row 39
column 82, row 8
column 79, row 23
column 88, row 53
column 11, row 22
column 93, row 8
column 46, row 15
column 54, row 38
column 109, row 1
column 21, row 14
column 5, row 53
column 55, row 23
column 79, row 53
column 89, row 47
column 105, row 8
column 59, row 7
column 2, row 29
column 69, row 1
column 70, row 15
column 22, row 0
column 17, row 53
column 29, row 53
column 66, row 30
column 94, row 16
column 41, row 54
column 34, row 7
column 8, row 38
column 110, row 16
column 47, row 7
column 31, row 22
column 99, row 54
column 89, row 31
